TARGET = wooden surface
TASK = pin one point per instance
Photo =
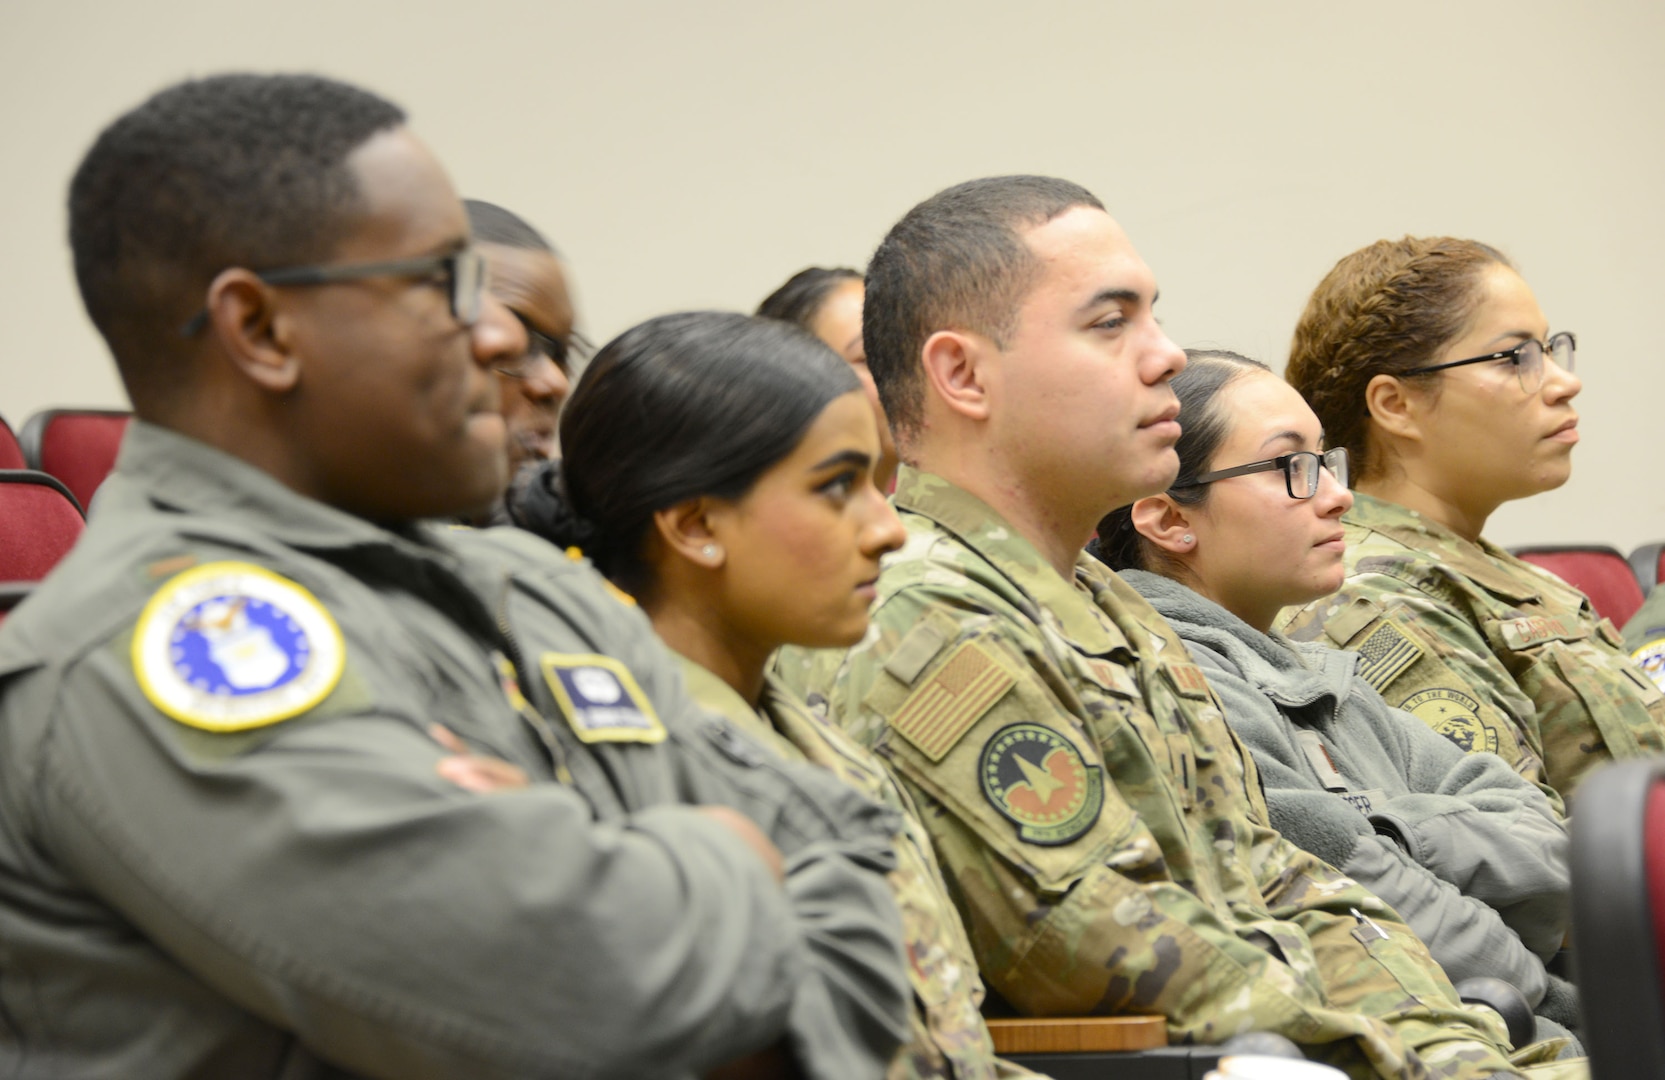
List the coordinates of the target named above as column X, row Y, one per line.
column 1028, row 1035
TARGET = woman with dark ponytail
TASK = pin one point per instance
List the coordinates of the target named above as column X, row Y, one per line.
column 719, row 469
column 1473, row 855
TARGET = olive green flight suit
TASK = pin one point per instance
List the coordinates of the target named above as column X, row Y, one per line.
column 212, row 890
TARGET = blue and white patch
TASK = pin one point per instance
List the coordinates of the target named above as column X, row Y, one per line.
column 600, row 699
column 229, row 646
column 1651, row 657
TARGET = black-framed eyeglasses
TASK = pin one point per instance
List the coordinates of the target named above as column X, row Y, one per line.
column 464, row 273
column 541, row 346
column 1300, row 471
column 1527, row 359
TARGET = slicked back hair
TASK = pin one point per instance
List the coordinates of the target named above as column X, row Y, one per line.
column 232, row 170
column 957, row 261
column 800, row 299
column 491, row 224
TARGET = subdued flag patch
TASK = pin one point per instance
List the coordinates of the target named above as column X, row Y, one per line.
column 1384, row 654
column 944, row 706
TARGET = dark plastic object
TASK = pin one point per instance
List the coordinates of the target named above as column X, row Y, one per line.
column 1507, row 1001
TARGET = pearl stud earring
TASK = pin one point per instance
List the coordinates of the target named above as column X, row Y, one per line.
column 710, row 551
column 1188, row 538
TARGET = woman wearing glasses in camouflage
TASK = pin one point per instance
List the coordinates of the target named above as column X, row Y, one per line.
column 1431, row 362
column 1472, row 855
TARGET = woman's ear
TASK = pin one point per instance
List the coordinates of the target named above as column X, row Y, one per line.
column 686, row 530
column 952, row 362
column 1394, row 407
column 243, row 315
column 1165, row 523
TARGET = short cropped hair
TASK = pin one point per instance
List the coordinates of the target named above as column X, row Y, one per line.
column 492, row 224
column 957, row 261
column 232, row 170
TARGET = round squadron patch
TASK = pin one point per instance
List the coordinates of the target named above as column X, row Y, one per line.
column 1455, row 715
column 1652, row 658
column 1037, row 779
column 230, row 646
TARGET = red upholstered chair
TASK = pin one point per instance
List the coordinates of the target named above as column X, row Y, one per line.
column 39, row 522
column 1618, row 894
column 1599, row 572
column 78, row 446
column 1649, row 561
column 11, row 451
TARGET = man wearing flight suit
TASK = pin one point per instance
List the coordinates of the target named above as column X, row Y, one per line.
column 1102, row 827
column 232, row 841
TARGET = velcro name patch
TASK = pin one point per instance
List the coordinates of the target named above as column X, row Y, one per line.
column 600, row 699
column 943, row 708
column 1529, row 631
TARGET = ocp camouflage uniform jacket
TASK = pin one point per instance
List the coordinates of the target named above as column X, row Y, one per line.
column 949, row 1039
column 1490, row 651
column 1103, row 830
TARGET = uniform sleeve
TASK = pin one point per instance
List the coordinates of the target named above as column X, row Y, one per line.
column 329, row 881
column 1072, row 907
column 1423, row 656
column 1476, row 824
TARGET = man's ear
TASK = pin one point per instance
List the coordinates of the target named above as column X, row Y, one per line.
column 954, row 368
column 1165, row 523
column 686, row 530
column 243, row 314
column 1394, row 407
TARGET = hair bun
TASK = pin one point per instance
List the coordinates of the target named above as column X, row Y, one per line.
column 538, row 502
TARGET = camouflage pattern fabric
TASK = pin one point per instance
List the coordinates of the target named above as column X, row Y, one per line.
column 1491, row 652
column 1645, row 636
column 1102, row 829
column 949, row 1040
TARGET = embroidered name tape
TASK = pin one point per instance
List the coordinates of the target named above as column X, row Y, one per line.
column 229, row 646
column 600, row 699
column 1521, row 633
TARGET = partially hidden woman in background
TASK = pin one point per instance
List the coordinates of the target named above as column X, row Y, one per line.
column 1471, row 854
column 1430, row 361
column 828, row 303
column 719, row 469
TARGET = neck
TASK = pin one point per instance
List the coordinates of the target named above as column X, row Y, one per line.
column 1051, row 527
column 1465, row 519
column 693, row 632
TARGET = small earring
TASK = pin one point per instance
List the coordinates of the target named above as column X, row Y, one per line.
column 710, row 551
column 1188, row 539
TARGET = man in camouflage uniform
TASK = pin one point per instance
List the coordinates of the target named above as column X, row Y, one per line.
column 1492, row 652
column 1101, row 827
column 1645, row 636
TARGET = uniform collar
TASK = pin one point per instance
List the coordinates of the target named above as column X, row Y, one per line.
column 1068, row 606
column 181, row 472
column 1482, row 562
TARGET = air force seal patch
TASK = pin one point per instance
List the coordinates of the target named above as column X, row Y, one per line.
column 229, row 646
column 1651, row 657
column 1036, row 778
column 601, row 699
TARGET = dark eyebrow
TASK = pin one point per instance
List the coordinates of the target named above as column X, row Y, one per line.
column 1293, row 436
column 843, row 457
column 1105, row 296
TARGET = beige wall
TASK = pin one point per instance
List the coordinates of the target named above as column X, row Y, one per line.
column 694, row 154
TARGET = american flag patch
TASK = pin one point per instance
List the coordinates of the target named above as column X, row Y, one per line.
column 944, row 707
column 1384, row 654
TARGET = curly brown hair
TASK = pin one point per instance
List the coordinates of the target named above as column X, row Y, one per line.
column 1382, row 310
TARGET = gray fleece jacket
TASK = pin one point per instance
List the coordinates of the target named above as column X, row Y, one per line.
column 1472, row 855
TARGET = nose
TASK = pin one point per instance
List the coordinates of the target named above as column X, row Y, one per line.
column 496, row 336
column 1163, row 359
column 1332, row 499
column 546, row 383
column 882, row 532
column 1559, row 383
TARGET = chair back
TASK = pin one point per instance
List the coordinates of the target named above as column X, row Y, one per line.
column 11, row 451
column 1597, row 571
column 78, row 446
column 1618, row 894
column 39, row 522
column 1648, row 560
